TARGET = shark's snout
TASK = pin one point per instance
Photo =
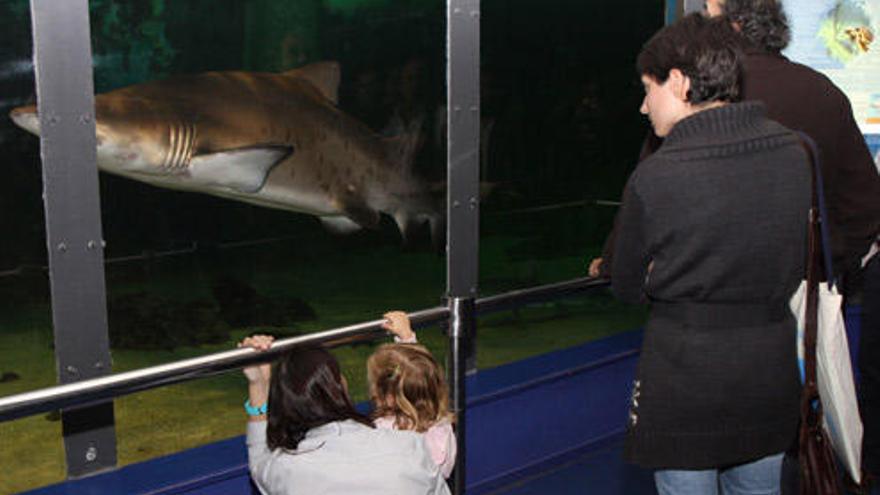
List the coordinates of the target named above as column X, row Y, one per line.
column 26, row 118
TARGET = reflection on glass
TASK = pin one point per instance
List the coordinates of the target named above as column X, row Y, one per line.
column 561, row 131
column 538, row 329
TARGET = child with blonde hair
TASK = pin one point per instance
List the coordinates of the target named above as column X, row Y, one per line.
column 409, row 391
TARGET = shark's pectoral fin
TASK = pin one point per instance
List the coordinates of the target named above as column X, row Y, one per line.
column 243, row 170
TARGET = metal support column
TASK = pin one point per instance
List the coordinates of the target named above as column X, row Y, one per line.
column 463, row 320
column 463, row 214
column 65, row 97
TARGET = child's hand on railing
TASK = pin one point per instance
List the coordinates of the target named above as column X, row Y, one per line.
column 397, row 323
column 262, row 373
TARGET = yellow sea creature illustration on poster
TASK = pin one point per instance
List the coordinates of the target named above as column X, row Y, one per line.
column 848, row 30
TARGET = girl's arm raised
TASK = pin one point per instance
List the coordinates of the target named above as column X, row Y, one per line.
column 258, row 377
column 397, row 323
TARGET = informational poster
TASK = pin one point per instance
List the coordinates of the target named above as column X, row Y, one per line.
column 839, row 39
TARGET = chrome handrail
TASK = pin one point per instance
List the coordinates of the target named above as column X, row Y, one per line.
column 91, row 391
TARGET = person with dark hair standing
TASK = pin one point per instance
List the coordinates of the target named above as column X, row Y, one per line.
column 304, row 436
column 716, row 400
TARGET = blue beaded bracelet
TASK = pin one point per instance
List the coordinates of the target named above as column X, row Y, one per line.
column 254, row 411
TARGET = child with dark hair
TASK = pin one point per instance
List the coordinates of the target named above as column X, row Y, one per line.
column 305, row 436
column 712, row 234
column 409, row 392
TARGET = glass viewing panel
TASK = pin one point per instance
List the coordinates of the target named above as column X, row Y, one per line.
column 560, row 133
column 27, row 359
column 224, row 194
column 267, row 166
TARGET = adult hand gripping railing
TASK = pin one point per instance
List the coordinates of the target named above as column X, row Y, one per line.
column 95, row 390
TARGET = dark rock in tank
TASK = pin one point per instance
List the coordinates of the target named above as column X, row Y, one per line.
column 241, row 306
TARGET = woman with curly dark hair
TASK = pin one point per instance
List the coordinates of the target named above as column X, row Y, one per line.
column 304, row 435
column 762, row 23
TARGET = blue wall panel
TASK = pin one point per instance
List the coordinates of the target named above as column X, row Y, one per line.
column 559, row 415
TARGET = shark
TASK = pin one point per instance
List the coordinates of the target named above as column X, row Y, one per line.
column 276, row 140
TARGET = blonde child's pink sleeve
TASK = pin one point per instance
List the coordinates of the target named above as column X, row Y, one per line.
column 411, row 340
column 440, row 440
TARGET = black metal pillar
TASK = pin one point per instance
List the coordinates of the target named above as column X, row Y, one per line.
column 463, row 322
column 463, row 174
column 63, row 66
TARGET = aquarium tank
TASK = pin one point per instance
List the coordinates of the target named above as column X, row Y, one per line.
column 279, row 167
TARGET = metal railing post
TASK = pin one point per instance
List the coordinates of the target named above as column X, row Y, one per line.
column 66, row 107
column 463, row 201
column 462, row 315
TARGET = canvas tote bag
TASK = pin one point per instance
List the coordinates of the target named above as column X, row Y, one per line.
column 838, row 406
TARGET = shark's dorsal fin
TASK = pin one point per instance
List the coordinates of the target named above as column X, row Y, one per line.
column 324, row 76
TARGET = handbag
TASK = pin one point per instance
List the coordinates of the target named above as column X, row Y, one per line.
column 818, row 471
column 830, row 419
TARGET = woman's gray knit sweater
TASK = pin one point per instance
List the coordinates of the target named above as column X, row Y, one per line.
column 713, row 235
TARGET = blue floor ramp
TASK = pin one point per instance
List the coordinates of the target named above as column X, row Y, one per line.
column 601, row 472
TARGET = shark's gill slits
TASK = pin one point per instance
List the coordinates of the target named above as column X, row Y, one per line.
column 181, row 143
column 189, row 144
column 172, row 146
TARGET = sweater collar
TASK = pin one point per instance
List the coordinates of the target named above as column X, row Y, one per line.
column 335, row 429
column 734, row 120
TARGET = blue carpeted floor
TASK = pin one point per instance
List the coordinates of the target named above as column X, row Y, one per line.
column 601, row 472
